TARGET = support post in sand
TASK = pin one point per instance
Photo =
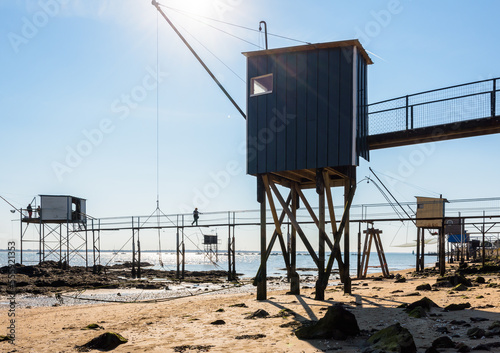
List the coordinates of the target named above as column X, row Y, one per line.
column 262, row 278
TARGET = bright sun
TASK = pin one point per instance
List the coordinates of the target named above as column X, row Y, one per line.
column 198, row 7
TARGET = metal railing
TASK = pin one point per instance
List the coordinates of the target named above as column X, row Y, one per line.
column 454, row 104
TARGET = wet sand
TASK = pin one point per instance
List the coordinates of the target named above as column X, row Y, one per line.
column 185, row 324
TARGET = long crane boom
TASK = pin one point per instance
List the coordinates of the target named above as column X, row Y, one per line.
column 157, row 5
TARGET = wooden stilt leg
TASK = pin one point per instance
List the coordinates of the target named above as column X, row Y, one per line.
column 383, row 260
column 422, row 250
column 262, row 281
column 347, row 253
column 294, row 276
column 417, row 264
column 368, row 250
column 320, row 287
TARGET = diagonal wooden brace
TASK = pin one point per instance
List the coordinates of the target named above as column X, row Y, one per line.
column 338, row 235
column 313, row 216
column 270, row 184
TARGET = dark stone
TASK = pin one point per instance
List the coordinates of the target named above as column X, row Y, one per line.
column 456, row 307
column 260, row 313
column 458, row 322
column 476, row 332
column 149, row 286
column 486, row 346
column 394, row 338
column 480, row 279
column 443, row 342
column 494, row 325
column 493, row 332
column 425, row 286
column 93, row 327
column 250, row 337
column 455, row 280
column 417, row 312
column 481, row 347
column 338, row 323
column 425, row 303
column 413, row 294
column 105, row 342
column 431, row 350
column 460, row 287
column 478, row 319
column 462, row 347
column 193, row 348
column 218, row 322
column 442, row 284
column 442, row 329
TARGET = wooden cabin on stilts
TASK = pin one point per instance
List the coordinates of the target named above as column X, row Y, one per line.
column 307, row 123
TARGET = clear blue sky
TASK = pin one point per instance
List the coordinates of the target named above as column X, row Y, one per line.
column 81, row 76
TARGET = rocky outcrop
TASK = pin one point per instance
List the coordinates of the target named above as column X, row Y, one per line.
column 338, row 323
column 394, row 338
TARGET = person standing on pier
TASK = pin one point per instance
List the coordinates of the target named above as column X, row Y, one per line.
column 196, row 215
column 30, row 211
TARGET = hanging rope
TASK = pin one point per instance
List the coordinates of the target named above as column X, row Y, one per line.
column 160, row 258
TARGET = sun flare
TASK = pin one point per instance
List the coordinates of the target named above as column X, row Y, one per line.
column 198, row 7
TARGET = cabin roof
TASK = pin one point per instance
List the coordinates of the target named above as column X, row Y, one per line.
column 74, row 197
column 338, row 44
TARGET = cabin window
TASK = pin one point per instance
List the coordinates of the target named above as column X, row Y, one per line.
column 261, row 85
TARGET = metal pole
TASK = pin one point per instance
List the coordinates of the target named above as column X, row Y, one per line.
column 493, row 98
column 21, row 234
column 183, row 256
column 41, row 246
column 229, row 248
column 133, row 249
column 67, row 244
column 138, row 248
column 86, row 246
column 484, row 248
column 60, row 245
column 234, row 246
column 99, row 241
column 40, row 240
column 94, row 269
column 265, row 30
column 406, row 112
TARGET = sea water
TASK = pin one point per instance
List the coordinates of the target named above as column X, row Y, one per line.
column 247, row 262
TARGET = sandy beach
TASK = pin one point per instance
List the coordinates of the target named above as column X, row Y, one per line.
column 217, row 321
